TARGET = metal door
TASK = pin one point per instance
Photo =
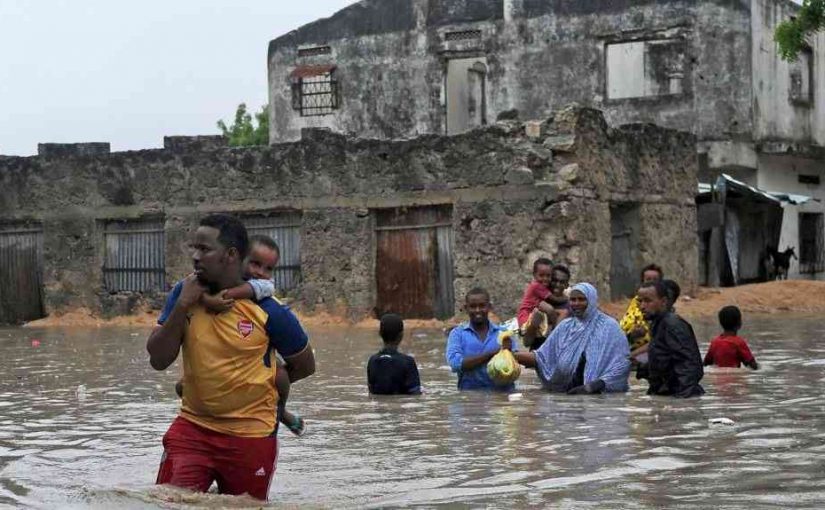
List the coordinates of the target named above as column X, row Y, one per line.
column 624, row 225
column 135, row 256
column 21, row 263
column 414, row 262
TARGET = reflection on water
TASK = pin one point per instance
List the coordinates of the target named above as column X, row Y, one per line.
column 82, row 415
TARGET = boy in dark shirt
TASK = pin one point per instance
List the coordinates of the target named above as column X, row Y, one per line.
column 729, row 349
column 674, row 364
column 388, row 371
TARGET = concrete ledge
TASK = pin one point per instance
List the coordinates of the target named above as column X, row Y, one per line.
column 58, row 150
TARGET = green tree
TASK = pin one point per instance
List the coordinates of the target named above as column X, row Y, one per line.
column 792, row 35
column 243, row 131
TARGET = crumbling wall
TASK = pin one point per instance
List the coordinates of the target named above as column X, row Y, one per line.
column 518, row 191
column 540, row 55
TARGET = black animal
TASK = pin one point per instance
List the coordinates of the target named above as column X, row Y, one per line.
column 781, row 262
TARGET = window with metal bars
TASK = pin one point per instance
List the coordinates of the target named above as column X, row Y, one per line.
column 135, row 258
column 462, row 35
column 315, row 95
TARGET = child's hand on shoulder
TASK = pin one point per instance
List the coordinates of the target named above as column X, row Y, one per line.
column 217, row 303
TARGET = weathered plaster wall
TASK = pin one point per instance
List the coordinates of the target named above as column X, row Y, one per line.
column 540, row 55
column 776, row 116
column 518, row 191
column 781, row 172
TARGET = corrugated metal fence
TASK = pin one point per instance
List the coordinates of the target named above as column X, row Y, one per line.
column 21, row 263
column 285, row 229
column 135, row 258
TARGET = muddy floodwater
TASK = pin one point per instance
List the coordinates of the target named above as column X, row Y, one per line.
column 82, row 415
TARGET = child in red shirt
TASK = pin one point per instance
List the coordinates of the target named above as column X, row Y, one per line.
column 728, row 349
column 544, row 303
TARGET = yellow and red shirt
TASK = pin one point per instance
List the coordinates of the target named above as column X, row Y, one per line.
column 228, row 376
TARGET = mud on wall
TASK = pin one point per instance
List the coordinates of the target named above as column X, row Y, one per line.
column 517, row 191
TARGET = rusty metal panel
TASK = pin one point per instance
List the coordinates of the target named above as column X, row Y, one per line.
column 285, row 229
column 21, row 263
column 135, row 259
column 406, row 272
column 418, row 217
column 414, row 262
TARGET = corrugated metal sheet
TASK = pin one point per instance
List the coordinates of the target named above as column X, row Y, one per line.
column 21, row 263
column 135, row 259
column 406, row 272
column 285, row 229
column 445, row 293
column 414, row 262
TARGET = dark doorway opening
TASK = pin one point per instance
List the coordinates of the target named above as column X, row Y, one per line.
column 811, row 243
column 624, row 258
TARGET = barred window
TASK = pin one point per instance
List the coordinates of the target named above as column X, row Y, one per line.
column 314, row 90
column 135, row 256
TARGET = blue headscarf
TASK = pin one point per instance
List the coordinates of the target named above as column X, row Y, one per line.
column 598, row 336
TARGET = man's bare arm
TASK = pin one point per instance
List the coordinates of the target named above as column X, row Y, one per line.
column 301, row 365
column 165, row 341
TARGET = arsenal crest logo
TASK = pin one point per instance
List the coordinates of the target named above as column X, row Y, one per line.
column 245, row 328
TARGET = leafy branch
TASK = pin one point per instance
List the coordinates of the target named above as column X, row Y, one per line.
column 243, row 131
column 792, row 35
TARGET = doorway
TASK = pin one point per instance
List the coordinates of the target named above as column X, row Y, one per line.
column 21, row 270
column 466, row 91
column 414, row 262
column 624, row 253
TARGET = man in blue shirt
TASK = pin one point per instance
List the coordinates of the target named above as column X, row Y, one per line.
column 472, row 344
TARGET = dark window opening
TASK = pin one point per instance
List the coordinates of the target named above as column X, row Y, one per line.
column 314, row 90
column 809, row 179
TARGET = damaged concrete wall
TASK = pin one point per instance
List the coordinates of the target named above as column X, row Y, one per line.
column 788, row 97
column 538, row 55
column 517, row 191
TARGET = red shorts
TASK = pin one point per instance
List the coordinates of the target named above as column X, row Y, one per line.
column 194, row 457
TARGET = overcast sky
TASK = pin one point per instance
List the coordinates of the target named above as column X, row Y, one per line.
column 131, row 72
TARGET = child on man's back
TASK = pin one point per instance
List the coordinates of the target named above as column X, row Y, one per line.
column 264, row 255
column 390, row 372
column 729, row 349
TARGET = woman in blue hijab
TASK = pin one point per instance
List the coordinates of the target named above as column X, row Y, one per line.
column 587, row 353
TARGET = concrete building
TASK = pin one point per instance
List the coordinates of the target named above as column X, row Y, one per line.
column 365, row 226
column 400, row 68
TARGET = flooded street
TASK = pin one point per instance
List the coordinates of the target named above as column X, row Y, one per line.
column 82, row 415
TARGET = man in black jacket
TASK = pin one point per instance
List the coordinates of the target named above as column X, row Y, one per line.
column 674, row 363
